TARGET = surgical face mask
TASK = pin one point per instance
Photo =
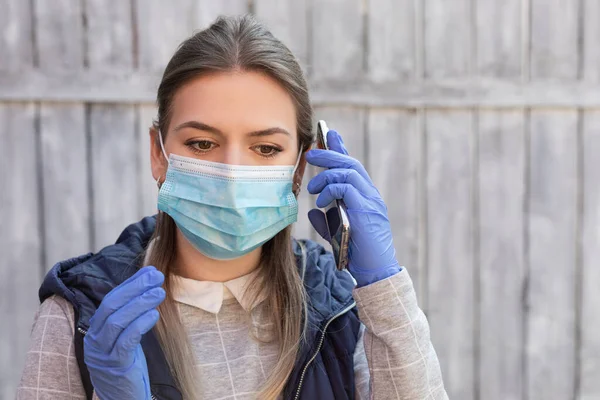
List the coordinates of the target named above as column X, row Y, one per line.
column 226, row 211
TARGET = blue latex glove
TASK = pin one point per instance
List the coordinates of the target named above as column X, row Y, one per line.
column 112, row 349
column 371, row 252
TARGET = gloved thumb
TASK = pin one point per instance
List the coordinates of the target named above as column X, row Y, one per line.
column 318, row 221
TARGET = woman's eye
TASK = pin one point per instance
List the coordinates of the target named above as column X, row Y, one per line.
column 201, row 145
column 267, row 151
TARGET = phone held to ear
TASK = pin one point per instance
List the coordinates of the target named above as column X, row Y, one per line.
column 336, row 215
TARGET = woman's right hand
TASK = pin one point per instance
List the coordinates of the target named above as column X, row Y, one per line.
column 112, row 349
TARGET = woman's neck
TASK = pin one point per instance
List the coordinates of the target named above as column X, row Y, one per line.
column 192, row 264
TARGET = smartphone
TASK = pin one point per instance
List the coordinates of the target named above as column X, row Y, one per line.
column 336, row 215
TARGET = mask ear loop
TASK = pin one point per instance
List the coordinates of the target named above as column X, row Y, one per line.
column 162, row 146
column 298, row 161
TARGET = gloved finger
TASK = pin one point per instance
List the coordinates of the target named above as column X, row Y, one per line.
column 132, row 335
column 335, row 142
column 146, row 278
column 332, row 159
column 118, row 321
column 340, row 191
column 329, row 176
column 318, row 221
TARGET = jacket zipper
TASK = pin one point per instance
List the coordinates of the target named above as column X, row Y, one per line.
column 84, row 332
column 344, row 311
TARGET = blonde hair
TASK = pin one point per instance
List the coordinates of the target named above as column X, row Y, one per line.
column 236, row 43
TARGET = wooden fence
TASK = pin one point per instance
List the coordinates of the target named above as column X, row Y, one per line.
column 479, row 121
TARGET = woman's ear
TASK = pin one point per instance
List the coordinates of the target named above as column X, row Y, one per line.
column 157, row 159
column 299, row 173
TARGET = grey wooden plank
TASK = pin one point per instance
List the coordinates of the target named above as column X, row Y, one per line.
column 148, row 191
column 20, row 239
column 502, row 154
column 337, row 40
column 65, row 165
column 114, row 150
column 589, row 351
column 21, row 245
column 161, row 26
column 114, row 171
column 60, row 47
column 16, row 45
column 107, row 87
column 552, row 237
column 590, row 323
column 591, row 32
column 287, row 20
column 499, row 34
column 109, row 34
column 450, row 248
column 391, row 40
column 59, row 34
column 554, row 37
column 447, row 38
column 499, row 31
column 350, row 124
column 208, row 10
column 394, row 156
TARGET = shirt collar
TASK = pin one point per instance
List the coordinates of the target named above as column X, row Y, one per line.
column 209, row 296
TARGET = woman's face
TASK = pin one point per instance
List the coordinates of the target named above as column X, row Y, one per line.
column 239, row 118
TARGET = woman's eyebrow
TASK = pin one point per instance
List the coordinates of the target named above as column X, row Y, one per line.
column 200, row 126
column 268, row 132
column 205, row 127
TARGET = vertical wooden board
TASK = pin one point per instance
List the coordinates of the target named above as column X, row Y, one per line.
column 59, row 34
column 287, row 20
column 552, row 238
column 161, row 26
column 60, row 45
column 20, row 237
column 447, row 38
column 501, row 190
column 109, row 34
column 114, row 151
column 591, row 32
column 20, row 241
column 114, row 171
column 499, row 34
column 65, row 166
column 16, row 46
column 502, row 258
column 391, row 40
column 337, row 40
column 589, row 351
column 148, row 191
column 554, row 38
column 394, row 150
column 207, row 11
column 450, row 249
column 590, row 322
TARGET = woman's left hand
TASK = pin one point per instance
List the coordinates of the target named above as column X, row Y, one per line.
column 372, row 256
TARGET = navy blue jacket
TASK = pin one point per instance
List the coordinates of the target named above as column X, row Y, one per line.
column 324, row 368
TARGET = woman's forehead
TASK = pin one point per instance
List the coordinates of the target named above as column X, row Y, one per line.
column 235, row 102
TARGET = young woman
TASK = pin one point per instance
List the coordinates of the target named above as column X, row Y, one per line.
column 212, row 298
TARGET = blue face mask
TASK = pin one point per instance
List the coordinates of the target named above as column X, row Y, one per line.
column 226, row 211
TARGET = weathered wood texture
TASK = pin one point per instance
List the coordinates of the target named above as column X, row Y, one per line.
column 21, row 243
column 477, row 119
